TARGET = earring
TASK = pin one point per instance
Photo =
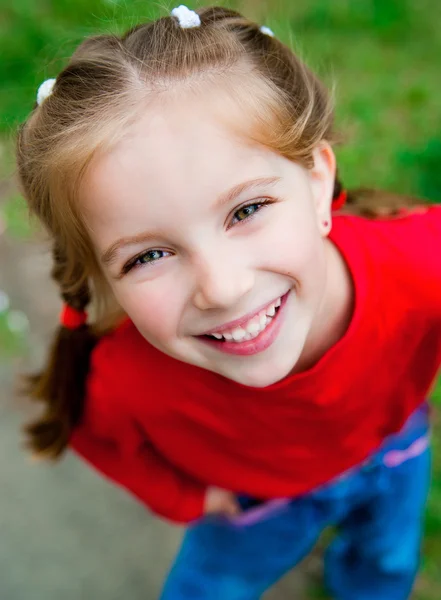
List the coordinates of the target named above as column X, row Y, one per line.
column 326, row 223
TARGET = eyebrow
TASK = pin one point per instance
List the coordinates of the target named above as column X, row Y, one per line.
column 236, row 190
column 109, row 256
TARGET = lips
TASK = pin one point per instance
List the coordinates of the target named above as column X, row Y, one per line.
column 251, row 328
column 260, row 342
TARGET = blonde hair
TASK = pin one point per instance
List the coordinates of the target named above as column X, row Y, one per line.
column 102, row 90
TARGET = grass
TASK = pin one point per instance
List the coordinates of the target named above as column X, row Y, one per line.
column 430, row 585
column 382, row 54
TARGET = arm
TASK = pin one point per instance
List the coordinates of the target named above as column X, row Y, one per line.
column 129, row 461
column 153, row 481
column 110, row 439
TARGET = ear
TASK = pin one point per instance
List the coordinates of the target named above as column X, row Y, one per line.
column 322, row 177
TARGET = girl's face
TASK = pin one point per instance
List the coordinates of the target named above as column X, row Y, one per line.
column 214, row 246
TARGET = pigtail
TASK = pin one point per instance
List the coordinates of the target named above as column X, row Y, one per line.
column 371, row 203
column 61, row 384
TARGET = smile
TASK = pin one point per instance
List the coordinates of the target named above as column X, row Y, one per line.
column 252, row 336
column 251, row 328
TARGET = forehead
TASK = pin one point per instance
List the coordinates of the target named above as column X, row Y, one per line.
column 180, row 149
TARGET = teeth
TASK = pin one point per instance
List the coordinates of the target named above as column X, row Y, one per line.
column 238, row 334
column 271, row 311
column 254, row 327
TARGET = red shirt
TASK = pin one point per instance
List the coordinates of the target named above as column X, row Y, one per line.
column 165, row 430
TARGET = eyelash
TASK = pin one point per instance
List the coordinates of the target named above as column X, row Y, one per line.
column 133, row 262
column 260, row 204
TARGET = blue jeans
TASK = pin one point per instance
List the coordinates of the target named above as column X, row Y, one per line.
column 377, row 507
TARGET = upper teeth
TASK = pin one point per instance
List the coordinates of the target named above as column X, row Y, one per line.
column 251, row 328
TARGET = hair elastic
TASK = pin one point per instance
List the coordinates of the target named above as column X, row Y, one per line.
column 71, row 318
column 45, row 90
column 187, row 18
column 340, row 201
column 267, row 31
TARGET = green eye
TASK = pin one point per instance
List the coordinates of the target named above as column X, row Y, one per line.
column 150, row 256
column 245, row 212
column 145, row 259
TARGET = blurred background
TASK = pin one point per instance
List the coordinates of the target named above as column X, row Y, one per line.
column 64, row 531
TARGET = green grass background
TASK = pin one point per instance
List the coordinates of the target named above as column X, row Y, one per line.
column 383, row 56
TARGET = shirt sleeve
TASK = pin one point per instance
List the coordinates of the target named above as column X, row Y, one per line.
column 112, row 442
column 143, row 472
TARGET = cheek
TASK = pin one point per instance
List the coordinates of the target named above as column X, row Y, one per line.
column 292, row 244
column 155, row 307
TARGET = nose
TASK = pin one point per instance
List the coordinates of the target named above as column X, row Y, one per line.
column 221, row 282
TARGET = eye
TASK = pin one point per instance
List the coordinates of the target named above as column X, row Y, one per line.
column 249, row 210
column 146, row 258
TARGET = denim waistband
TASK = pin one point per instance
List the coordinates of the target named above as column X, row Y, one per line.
column 410, row 441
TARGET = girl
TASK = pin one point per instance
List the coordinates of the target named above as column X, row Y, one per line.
column 259, row 366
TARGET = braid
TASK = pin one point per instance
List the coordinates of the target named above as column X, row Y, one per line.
column 80, row 297
column 373, row 204
column 61, row 384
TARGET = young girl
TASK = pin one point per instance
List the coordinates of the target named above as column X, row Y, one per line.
column 265, row 371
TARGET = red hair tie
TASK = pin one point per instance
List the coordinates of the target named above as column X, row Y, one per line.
column 71, row 318
column 340, row 201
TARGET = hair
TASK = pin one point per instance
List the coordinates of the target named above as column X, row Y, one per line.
column 108, row 81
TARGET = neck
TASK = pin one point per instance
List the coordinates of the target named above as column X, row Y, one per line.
column 335, row 312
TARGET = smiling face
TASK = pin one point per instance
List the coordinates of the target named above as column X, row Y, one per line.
column 201, row 232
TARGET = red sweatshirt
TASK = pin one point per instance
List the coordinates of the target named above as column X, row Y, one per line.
column 165, row 430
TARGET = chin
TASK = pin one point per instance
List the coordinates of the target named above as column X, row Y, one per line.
column 263, row 377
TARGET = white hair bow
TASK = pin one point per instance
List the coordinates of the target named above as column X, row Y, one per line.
column 187, row 18
column 45, row 90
